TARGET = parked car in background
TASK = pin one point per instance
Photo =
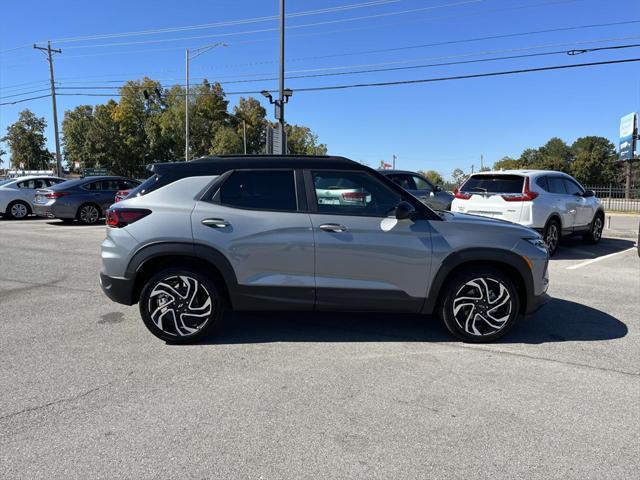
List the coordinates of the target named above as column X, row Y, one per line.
column 421, row 187
column 550, row 202
column 262, row 233
column 16, row 194
column 121, row 195
column 86, row 199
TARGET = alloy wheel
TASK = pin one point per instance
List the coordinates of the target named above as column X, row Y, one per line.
column 180, row 305
column 89, row 214
column 551, row 237
column 482, row 306
column 597, row 228
column 19, row 210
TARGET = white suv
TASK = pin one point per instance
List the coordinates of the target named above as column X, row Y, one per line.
column 551, row 202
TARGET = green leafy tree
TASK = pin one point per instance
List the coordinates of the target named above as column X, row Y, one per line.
column 226, row 140
column 507, row 163
column 302, row 141
column 433, row 176
column 555, row 155
column 208, row 113
column 458, row 176
column 75, row 142
column 253, row 113
column 3, row 152
column 530, row 158
column 595, row 160
column 27, row 142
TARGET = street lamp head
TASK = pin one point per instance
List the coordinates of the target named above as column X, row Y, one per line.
column 266, row 94
column 287, row 92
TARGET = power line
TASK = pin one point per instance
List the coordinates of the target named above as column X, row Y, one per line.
column 412, row 67
column 26, row 99
column 26, row 93
column 292, row 27
column 408, row 82
column 228, row 23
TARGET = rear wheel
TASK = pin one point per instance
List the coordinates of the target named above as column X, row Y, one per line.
column 595, row 231
column 180, row 305
column 551, row 235
column 479, row 304
column 18, row 210
column 89, row 214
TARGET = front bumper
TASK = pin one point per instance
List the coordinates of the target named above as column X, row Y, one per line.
column 536, row 303
column 120, row 290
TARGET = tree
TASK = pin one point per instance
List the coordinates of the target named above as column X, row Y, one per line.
column 302, row 141
column 226, row 141
column 75, row 126
column 530, row 158
column 253, row 113
column 3, row 152
column 555, row 155
column 595, row 160
column 433, row 176
column 507, row 163
column 27, row 142
column 458, row 176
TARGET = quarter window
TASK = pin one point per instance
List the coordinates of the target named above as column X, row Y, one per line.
column 352, row 193
column 542, row 183
column 260, row 190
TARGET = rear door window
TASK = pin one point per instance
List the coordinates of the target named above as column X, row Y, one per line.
column 494, row 184
column 33, row 183
column 422, row 184
column 556, row 185
column 572, row 187
column 260, row 190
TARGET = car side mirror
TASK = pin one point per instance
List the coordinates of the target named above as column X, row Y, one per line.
column 589, row 193
column 404, row 211
column 437, row 188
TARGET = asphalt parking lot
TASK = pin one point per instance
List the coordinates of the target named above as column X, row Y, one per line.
column 87, row 392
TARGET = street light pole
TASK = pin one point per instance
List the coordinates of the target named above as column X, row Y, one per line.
column 283, row 146
column 187, row 57
column 186, row 108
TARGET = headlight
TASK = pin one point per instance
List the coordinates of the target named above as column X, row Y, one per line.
column 537, row 242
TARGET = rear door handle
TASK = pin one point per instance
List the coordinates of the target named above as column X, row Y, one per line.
column 333, row 227
column 216, row 222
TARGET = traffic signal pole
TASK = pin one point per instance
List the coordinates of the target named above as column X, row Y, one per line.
column 49, row 52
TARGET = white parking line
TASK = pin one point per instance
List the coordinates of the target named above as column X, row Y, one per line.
column 593, row 260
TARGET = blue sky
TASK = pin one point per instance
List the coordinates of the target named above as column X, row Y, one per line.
column 437, row 126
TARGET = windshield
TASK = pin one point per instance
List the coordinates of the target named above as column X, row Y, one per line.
column 493, row 184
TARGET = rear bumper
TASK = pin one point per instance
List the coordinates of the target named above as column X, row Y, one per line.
column 52, row 211
column 120, row 290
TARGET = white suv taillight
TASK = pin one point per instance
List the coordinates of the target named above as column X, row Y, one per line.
column 526, row 195
column 462, row 196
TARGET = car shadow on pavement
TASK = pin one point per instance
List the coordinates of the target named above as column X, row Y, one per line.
column 574, row 248
column 558, row 321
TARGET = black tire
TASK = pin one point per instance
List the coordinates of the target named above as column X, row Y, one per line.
column 89, row 214
column 594, row 234
column 551, row 235
column 17, row 210
column 182, row 290
column 466, row 313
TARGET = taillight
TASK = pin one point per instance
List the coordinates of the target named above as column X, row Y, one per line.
column 121, row 217
column 462, row 196
column 526, row 195
column 354, row 196
column 54, row 195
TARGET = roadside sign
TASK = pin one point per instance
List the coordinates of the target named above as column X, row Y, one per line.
column 95, row 172
column 628, row 134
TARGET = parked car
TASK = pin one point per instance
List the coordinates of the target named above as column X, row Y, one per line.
column 422, row 188
column 552, row 203
column 250, row 233
column 84, row 199
column 17, row 194
column 121, row 195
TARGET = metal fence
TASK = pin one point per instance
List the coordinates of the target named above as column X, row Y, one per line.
column 613, row 198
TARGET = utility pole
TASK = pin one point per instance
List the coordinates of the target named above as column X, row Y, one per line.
column 394, row 162
column 283, row 143
column 481, row 162
column 244, row 135
column 50, row 51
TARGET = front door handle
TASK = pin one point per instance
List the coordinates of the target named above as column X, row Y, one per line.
column 216, row 222
column 333, row 227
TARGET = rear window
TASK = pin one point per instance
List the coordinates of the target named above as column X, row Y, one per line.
column 494, row 184
column 145, row 186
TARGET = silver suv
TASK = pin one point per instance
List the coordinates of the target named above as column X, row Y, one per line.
column 253, row 233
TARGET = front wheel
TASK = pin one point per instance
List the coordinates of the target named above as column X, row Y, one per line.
column 595, row 231
column 180, row 305
column 479, row 305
